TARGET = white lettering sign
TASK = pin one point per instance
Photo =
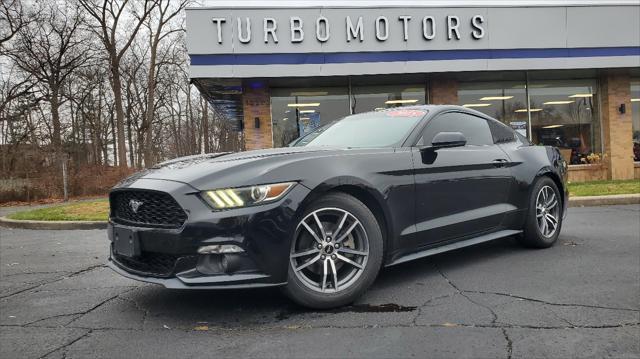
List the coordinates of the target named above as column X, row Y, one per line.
column 355, row 28
column 354, row 33
column 297, row 34
column 245, row 39
column 269, row 28
column 322, row 22
column 381, row 20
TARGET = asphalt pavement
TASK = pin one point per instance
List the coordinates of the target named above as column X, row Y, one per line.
column 580, row 298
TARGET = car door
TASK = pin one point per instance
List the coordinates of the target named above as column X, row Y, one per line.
column 460, row 191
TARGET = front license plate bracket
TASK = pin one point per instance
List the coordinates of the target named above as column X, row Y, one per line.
column 125, row 242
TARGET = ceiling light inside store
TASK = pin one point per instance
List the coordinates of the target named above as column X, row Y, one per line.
column 552, row 126
column 532, row 110
column 307, row 111
column 310, row 93
column 635, row 100
column 494, row 98
column 476, row 105
column 310, row 104
column 391, row 102
column 557, row 102
column 582, row 95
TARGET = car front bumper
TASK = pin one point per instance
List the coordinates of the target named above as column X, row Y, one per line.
column 170, row 256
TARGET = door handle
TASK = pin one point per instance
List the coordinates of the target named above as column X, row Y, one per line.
column 501, row 162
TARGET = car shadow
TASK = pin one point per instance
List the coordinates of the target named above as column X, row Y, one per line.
column 262, row 306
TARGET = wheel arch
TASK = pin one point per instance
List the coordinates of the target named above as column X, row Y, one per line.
column 363, row 192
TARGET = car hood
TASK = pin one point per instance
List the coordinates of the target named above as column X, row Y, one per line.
column 216, row 170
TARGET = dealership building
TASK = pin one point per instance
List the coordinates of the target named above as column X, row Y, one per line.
column 562, row 73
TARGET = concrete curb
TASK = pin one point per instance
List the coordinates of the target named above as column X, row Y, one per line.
column 588, row 201
column 51, row 225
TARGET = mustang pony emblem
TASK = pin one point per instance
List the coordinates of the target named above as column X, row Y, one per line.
column 135, row 205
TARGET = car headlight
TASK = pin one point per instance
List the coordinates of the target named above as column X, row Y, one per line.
column 226, row 198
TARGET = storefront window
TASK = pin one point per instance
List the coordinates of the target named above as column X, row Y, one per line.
column 635, row 116
column 564, row 114
column 296, row 112
column 502, row 100
column 373, row 98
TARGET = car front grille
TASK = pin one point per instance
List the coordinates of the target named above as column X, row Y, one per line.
column 149, row 263
column 143, row 208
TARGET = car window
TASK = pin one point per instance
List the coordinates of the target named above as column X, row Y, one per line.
column 475, row 129
column 501, row 133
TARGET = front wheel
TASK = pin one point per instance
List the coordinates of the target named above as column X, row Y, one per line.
column 544, row 218
column 335, row 254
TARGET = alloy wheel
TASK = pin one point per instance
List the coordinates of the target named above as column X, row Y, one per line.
column 330, row 250
column 547, row 211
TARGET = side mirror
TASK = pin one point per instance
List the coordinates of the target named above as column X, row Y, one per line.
column 447, row 140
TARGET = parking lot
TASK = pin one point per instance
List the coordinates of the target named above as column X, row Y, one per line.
column 579, row 298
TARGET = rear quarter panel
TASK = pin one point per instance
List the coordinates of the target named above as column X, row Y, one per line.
column 528, row 163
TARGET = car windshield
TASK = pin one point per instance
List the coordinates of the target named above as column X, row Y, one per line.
column 373, row 129
column 305, row 139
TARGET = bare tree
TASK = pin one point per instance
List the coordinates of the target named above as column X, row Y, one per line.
column 109, row 17
column 12, row 19
column 157, row 25
column 50, row 50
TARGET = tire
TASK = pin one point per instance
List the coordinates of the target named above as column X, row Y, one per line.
column 544, row 193
column 331, row 280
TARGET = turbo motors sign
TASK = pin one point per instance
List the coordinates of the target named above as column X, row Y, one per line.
column 295, row 30
column 335, row 30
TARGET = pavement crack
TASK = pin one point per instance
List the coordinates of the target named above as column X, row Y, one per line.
column 463, row 293
column 72, row 274
column 550, row 303
column 509, row 343
column 36, row 272
column 64, row 347
column 83, row 313
column 145, row 312
column 50, row 317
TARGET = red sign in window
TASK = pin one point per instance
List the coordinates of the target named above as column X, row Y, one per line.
column 405, row 113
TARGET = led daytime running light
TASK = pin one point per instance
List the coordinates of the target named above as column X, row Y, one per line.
column 227, row 198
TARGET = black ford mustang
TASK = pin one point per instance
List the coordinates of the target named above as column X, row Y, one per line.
column 321, row 217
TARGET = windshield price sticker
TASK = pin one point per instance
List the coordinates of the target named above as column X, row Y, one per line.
column 405, row 113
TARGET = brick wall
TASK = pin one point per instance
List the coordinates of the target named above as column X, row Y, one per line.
column 616, row 127
column 256, row 103
column 587, row 173
column 443, row 91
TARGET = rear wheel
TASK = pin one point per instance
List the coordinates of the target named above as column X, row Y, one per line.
column 335, row 254
column 544, row 218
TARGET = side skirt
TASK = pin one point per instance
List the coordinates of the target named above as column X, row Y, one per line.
column 455, row 245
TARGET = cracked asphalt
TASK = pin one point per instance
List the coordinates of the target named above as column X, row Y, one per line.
column 580, row 298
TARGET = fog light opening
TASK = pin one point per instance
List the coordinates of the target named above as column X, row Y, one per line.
column 220, row 249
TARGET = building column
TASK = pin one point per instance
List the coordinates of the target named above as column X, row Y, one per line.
column 256, row 108
column 443, row 91
column 616, row 126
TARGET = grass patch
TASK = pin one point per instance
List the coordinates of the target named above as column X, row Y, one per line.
column 98, row 210
column 604, row 188
column 79, row 211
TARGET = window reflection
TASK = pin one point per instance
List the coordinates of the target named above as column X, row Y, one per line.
column 503, row 100
column 563, row 114
column 297, row 112
column 635, row 116
column 373, row 98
